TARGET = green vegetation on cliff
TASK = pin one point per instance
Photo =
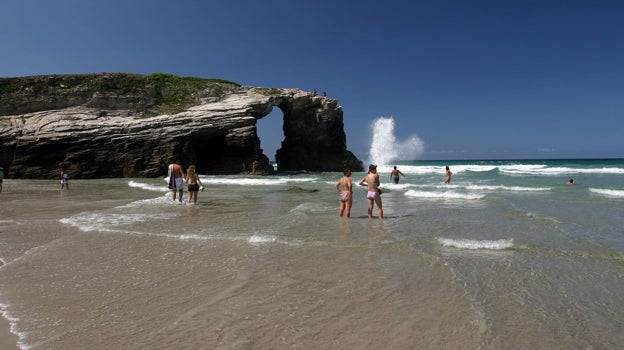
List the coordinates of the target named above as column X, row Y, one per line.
column 144, row 95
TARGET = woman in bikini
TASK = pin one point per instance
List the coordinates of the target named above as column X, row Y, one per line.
column 193, row 181
column 447, row 180
column 344, row 186
column 371, row 180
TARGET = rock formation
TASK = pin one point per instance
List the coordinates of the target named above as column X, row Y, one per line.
column 128, row 125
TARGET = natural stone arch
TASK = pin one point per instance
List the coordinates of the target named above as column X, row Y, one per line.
column 105, row 130
column 271, row 132
column 314, row 137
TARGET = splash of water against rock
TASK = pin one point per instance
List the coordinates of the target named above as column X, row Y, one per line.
column 385, row 148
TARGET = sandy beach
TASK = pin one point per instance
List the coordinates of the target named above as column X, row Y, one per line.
column 8, row 340
column 116, row 264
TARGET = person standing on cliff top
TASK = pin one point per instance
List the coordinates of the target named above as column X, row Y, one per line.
column 176, row 179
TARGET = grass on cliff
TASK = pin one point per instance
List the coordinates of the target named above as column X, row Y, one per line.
column 153, row 94
column 178, row 93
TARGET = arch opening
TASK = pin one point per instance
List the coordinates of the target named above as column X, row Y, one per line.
column 270, row 130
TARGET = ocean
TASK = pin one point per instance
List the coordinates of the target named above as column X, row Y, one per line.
column 506, row 256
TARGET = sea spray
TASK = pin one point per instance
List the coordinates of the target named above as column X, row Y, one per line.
column 500, row 244
column 385, row 148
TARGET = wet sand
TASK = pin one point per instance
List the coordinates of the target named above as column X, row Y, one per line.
column 117, row 265
column 8, row 340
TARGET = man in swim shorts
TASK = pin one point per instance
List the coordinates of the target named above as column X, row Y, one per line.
column 371, row 180
column 177, row 172
column 394, row 175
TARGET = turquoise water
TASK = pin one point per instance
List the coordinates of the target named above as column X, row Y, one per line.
column 505, row 256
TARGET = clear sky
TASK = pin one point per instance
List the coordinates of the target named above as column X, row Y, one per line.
column 467, row 79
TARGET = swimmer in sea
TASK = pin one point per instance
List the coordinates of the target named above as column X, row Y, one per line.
column 394, row 175
column 345, row 187
column 371, row 180
column 447, row 180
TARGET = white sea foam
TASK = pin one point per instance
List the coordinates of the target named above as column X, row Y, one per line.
column 513, row 169
column 252, row 181
column 147, row 187
column 486, row 188
column 443, row 195
column 165, row 199
column 260, row 181
column 13, row 326
column 506, row 188
column 262, row 239
column 430, row 169
column 544, row 170
column 95, row 221
column 311, row 208
column 476, row 244
column 610, row 193
column 194, row 237
column 395, row 187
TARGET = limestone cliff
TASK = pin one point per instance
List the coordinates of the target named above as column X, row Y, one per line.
column 128, row 125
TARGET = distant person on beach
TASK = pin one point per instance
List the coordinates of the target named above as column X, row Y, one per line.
column 1, row 177
column 345, row 187
column 371, row 180
column 570, row 182
column 193, row 181
column 176, row 179
column 64, row 177
column 394, row 175
column 447, row 180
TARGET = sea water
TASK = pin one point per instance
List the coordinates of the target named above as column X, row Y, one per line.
column 506, row 256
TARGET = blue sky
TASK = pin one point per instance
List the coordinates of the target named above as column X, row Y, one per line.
column 469, row 79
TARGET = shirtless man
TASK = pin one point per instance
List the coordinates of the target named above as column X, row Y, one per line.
column 371, row 180
column 394, row 175
column 178, row 179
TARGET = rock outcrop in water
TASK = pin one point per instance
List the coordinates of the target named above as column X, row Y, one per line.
column 128, row 125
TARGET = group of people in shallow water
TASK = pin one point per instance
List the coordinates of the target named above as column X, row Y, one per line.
column 345, row 187
column 177, row 178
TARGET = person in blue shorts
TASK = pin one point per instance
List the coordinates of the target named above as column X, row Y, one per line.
column 394, row 175
column 64, row 177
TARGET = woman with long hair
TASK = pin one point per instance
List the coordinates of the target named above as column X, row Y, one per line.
column 194, row 183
